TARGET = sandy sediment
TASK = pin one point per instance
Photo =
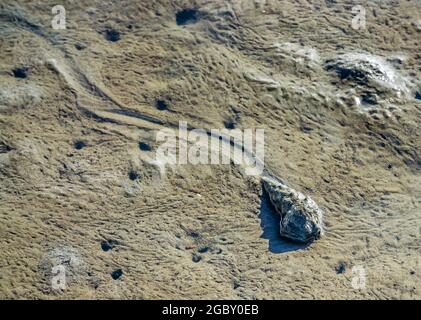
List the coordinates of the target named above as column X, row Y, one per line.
column 80, row 109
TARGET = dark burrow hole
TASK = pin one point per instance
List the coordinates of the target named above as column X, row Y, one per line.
column 305, row 128
column 116, row 274
column 368, row 99
column 79, row 144
column 345, row 74
column 203, row 249
column 21, row 73
column 418, row 95
column 144, row 146
column 194, row 234
column 340, row 268
column 80, row 46
column 133, row 175
column 4, row 148
column 229, row 125
column 112, row 35
column 235, row 284
column 196, row 258
column 109, row 244
column 186, row 16
column 161, row 104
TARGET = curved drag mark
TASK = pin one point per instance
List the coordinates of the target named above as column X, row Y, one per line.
column 90, row 94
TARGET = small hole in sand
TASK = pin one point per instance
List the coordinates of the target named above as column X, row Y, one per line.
column 112, row 35
column 203, row 249
column 161, row 104
column 116, row 274
column 144, row 146
column 229, row 125
column 340, row 268
column 194, row 234
column 4, row 148
column 79, row 144
column 79, row 46
column 186, row 16
column 107, row 245
column 235, row 284
column 21, row 73
column 133, row 175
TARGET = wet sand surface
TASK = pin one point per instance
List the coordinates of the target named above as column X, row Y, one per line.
column 80, row 109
